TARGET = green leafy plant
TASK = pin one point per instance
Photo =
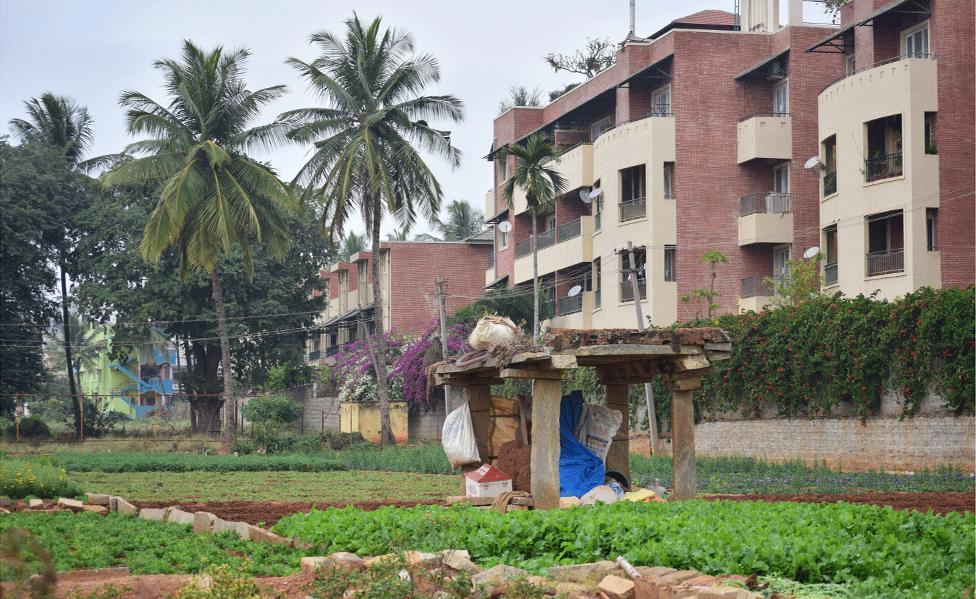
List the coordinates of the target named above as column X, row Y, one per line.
column 713, row 258
column 268, row 413
column 222, row 582
column 38, row 477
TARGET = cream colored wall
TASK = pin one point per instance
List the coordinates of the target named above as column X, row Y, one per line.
column 909, row 88
column 576, row 166
column 766, row 228
column 647, row 141
column 764, row 137
column 559, row 255
column 755, row 304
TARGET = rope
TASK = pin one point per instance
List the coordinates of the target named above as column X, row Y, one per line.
column 500, row 504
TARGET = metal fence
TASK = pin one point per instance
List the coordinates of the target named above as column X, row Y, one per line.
column 756, row 286
column 570, row 230
column 766, row 202
column 885, row 262
column 569, row 305
column 883, row 166
column 523, row 248
column 633, row 209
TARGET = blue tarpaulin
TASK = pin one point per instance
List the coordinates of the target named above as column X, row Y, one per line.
column 579, row 468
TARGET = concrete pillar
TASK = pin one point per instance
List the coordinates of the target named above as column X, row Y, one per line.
column 683, row 444
column 795, row 15
column 618, row 458
column 545, row 443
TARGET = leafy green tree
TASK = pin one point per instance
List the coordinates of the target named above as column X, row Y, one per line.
column 713, row 258
column 536, row 175
column 800, row 284
column 214, row 199
column 352, row 243
column 59, row 123
column 267, row 316
column 368, row 141
column 269, row 413
column 461, row 221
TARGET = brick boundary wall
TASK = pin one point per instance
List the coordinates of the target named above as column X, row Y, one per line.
column 886, row 443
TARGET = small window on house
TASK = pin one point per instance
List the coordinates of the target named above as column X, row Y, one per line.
column 781, row 98
column 502, row 169
column 830, row 255
column 669, row 263
column 884, row 158
column 930, row 147
column 661, row 101
column 932, row 229
column 597, row 283
column 597, row 206
column 850, row 66
column 600, row 127
column 632, row 190
column 830, row 166
column 669, row 181
column 502, row 239
column 915, row 41
column 886, row 243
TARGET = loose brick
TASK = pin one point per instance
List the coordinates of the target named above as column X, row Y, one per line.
column 98, row 509
column 98, row 499
column 616, row 587
column 72, row 504
column 150, row 513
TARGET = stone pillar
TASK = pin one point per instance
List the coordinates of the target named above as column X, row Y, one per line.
column 479, row 402
column 683, row 444
column 618, row 458
column 545, row 443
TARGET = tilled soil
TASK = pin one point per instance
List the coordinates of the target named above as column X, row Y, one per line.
column 939, row 503
column 159, row 586
column 268, row 513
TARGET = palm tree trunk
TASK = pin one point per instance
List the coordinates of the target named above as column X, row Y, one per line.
column 377, row 345
column 535, row 278
column 69, row 362
column 230, row 401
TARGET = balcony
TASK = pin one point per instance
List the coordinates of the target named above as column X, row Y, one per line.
column 765, row 136
column 570, row 305
column 755, row 293
column 564, row 246
column 886, row 262
column 829, row 183
column 633, row 209
column 490, row 274
column 765, row 217
column 830, row 274
column 883, row 166
column 627, row 290
column 575, row 164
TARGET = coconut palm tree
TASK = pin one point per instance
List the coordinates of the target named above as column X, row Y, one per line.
column 461, row 221
column 351, row 244
column 61, row 123
column 535, row 175
column 214, row 198
column 367, row 142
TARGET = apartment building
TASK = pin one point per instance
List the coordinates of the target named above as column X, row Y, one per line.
column 408, row 271
column 695, row 140
column 896, row 133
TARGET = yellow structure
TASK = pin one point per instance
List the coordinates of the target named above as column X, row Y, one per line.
column 364, row 418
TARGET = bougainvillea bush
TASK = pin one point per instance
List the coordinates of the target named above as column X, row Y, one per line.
column 407, row 359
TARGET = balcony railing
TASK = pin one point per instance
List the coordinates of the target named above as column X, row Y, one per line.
column 885, row 262
column 523, row 248
column 757, row 286
column 596, row 298
column 850, row 73
column 546, row 238
column 569, row 230
column 830, row 183
column 632, row 209
column 771, row 202
column 627, row 290
column 830, row 273
column 569, row 305
column 882, row 167
column 314, row 355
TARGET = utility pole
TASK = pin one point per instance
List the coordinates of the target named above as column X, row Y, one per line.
column 451, row 399
column 648, row 390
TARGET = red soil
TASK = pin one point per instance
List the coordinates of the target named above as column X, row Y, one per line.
column 940, row 503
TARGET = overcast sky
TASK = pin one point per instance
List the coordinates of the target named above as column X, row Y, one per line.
column 91, row 50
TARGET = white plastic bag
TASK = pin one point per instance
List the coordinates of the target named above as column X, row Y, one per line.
column 597, row 427
column 458, row 439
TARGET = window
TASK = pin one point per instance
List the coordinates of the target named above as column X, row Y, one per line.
column 597, row 206
column 669, row 181
column 781, row 98
column 781, row 178
column 884, row 148
column 915, row 41
column 626, row 275
column 781, row 263
column 661, row 101
column 932, row 229
column 886, row 243
column 597, row 283
column 502, row 239
column 830, row 166
column 502, row 169
column 600, row 127
column 632, row 190
column 830, row 257
column 669, row 263
column 930, row 147
column 849, row 65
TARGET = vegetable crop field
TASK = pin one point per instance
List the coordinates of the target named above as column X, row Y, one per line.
column 867, row 551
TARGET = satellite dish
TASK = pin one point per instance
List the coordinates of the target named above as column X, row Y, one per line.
column 811, row 252
column 596, row 193
column 505, row 226
column 584, row 196
column 574, row 291
column 812, row 162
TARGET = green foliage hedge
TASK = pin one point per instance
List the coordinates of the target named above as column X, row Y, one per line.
column 809, row 358
column 187, row 462
column 80, row 541
column 883, row 552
